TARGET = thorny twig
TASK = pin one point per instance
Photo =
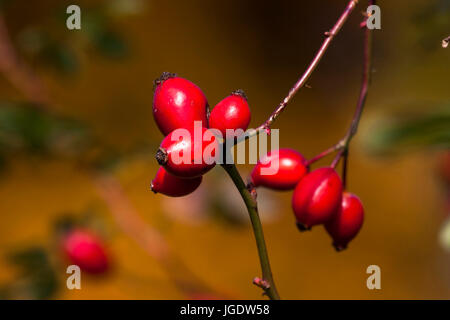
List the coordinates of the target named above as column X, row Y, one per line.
column 329, row 36
column 343, row 144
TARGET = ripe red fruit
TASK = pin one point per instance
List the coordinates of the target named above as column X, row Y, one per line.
column 232, row 112
column 291, row 169
column 188, row 154
column 177, row 103
column 172, row 186
column 317, row 197
column 347, row 222
column 86, row 250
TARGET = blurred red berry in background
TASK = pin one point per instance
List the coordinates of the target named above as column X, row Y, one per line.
column 86, row 250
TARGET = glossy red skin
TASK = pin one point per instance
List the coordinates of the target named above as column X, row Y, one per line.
column 347, row 222
column 86, row 250
column 177, row 103
column 317, row 197
column 169, row 185
column 183, row 146
column 292, row 168
column 232, row 112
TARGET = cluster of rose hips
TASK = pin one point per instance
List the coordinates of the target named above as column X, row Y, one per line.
column 318, row 197
column 177, row 104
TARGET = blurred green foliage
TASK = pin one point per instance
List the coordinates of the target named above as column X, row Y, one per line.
column 401, row 133
column 108, row 42
column 28, row 128
column 432, row 23
column 37, row 278
column 62, row 51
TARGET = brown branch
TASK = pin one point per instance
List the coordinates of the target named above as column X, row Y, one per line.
column 365, row 83
column 343, row 144
column 150, row 239
column 330, row 35
column 322, row 154
column 125, row 215
column 17, row 72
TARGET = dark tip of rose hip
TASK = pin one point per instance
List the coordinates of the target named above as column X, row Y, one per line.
column 163, row 77
column 161, row 156
column 152, row 187
column 303, row 227
column 240, row 93
column 250, row 185
column 339, row 247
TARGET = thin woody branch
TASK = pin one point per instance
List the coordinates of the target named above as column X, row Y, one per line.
column 15, row 70
column 343, row 144
column 365, row 83
column 148, row 238
column 330, row 35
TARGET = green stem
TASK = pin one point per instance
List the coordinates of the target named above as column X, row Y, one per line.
column 252, row 208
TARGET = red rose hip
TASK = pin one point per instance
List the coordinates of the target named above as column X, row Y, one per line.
column 317, row 197
column 177, row 103
column 188, row 154
column 232, row 112
column 169, row 185
column 347, row 222
column 86, row 250
column 291, row 169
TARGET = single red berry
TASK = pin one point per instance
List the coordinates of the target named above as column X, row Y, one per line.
column 172, row 186
column 347, row 222
column 232, row 112
column 86, row 250
column 317, row 197
column 188, row 154
column 177, row 103
column 289, row 168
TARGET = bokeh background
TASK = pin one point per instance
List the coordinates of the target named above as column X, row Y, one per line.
column 77, row 143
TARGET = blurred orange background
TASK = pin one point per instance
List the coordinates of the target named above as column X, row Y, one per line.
column 263, row 49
